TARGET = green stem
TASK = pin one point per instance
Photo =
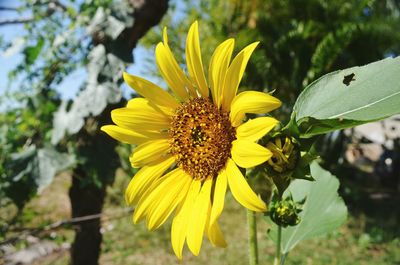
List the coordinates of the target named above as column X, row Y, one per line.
column 283, row 258
column 278, row 260
column 252, row 235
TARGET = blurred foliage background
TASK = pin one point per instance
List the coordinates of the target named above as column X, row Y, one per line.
column 55, row 164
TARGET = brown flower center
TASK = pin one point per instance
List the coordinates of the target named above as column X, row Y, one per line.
column 201, row 138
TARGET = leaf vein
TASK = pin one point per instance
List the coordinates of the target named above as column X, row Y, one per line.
column 363, row 107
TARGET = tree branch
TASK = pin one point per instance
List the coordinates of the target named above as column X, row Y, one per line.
column 16, row 21
column 6, row 8
column 52, row 6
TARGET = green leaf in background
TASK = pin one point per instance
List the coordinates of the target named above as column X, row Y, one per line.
column 31, row 170
column 323, row 210
column 31, row 53
column 349, row 97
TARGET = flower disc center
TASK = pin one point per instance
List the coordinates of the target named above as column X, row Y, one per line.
column 202, row 138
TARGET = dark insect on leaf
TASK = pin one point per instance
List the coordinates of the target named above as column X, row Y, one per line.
column 348, row 78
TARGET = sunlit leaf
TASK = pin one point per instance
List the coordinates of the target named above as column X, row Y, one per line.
column 95, row 95
column 349, row 97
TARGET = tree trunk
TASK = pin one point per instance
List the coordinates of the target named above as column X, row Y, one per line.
column 86, row 200
column 89, row 181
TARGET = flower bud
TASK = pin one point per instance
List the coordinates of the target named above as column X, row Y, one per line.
column 285, row 212
column 284, row 154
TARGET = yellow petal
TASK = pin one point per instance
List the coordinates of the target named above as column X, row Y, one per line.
column 140, row 118
column 219, row 196
column 199, row 218
column 241, row 190
column 218, row 67
column 171, row 197
column 216, row 236
column 181, row 219
column 214, row 232
column 149, row 153
column 150, row 91
column 248, row 154
column 234, row 75
column 129, row 136
column 144, row 205
column 153, row 195
column 172, row 73
column 254, row 129
column 193, row 60
column 251, row 102
column 165, row 37
column 140, row 103
column 144, row 178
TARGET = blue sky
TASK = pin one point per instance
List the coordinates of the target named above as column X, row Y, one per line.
column 69, row 87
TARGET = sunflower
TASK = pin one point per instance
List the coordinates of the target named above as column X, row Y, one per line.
column 190, row 144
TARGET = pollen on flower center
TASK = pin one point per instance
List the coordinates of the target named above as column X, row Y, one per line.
column 201, row 138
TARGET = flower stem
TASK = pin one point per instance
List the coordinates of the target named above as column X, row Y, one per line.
column 278, row 260
column 252, row 235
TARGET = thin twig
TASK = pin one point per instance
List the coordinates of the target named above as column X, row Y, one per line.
column 52, row 6
column 6, row 8
column 16, row 21
column 72, row 221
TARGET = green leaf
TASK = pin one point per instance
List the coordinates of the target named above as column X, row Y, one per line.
column 33, row 169
column 349, row 97
column 323, row 210
column 94, row 96
column 310, row 126
column 32, row 52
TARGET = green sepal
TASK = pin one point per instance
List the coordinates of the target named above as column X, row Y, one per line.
column 292, row 128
